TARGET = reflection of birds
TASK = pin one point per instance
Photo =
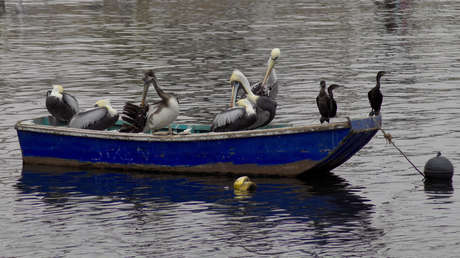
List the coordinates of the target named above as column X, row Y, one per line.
column 61, row 105
column 101, row 117
column 236, row 118
column 332, row 102
column 269, row 85
column 144, row 118
column 2, row 7
column 375, row 96
column 244, row 184
column 265, row 106
column 19, row 7
column 323, row 102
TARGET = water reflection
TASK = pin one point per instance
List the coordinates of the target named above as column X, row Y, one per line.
column 439, row 188
column 306, row 214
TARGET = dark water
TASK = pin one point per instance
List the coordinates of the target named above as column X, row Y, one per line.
column 374, row 205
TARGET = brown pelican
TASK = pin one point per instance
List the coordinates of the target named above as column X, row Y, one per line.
column 323, row 103
column 269, row 85
column 61, row 105
column 167, row 110
column 375, row 96
column 265, row 106
column 101, row 117
column 144, row 118
column 332, row 102
column 235, row 118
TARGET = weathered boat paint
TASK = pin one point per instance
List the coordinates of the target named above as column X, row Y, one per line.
column 282, row 151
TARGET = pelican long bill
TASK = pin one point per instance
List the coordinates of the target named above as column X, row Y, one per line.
column 235, row 87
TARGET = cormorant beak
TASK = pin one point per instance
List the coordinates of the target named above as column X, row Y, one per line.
column 269, row 71
column 235, row 86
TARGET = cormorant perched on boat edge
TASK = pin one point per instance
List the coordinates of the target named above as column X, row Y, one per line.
column 101, row 117
column 332, row 102
column 60, row 104
column 323, row 103
column 375, row 96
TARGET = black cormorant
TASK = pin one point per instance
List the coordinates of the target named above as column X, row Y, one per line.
column 323, row 103
column 332, row 102
column 375, row 96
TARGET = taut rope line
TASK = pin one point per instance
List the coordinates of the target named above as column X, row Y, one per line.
column 389, row 138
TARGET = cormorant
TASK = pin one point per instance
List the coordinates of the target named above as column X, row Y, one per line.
column 332, row 102
column 375, row 96
column 323, row 102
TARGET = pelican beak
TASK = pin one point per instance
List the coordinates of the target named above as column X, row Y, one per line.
column 235, row 86
column 269, row 71
column 144, row 93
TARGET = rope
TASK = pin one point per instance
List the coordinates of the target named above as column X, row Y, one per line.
column 389, row 139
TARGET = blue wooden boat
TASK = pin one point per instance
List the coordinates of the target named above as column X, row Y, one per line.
column 273, row 150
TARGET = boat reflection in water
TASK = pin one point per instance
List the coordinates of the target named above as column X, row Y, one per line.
column 305, row 213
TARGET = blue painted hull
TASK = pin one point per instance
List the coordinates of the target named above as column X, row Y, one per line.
column 288, row 151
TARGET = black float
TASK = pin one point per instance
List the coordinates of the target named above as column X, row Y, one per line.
column 439, row 168
column 436, row 169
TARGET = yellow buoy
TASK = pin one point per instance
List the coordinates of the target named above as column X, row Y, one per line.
column 244, row 184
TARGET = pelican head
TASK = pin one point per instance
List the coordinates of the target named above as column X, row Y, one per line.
column 244, row 184
column 57, row 91
column 149, row 76
column 148, row 79
column 275, row 54
column 106, row 103
column 238, row 79
column 102, row 103
column 247, row 105
column 58, row 88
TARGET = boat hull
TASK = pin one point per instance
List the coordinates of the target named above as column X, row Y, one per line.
column 277, row 152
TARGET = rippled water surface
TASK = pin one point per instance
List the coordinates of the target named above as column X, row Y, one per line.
column 374, row 205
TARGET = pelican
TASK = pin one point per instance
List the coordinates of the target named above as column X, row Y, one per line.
column 270, row 78
column 101, row 117
column 375, row 96
column 265, row 106
column 236, row 118
column 60, row 104
column 332, row 102
column 145, row 118
column 167, row 110
column 323, row 102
